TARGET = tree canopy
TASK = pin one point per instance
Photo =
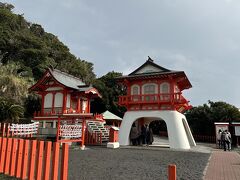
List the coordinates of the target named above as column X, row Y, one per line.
column 201, row 119
column 34, row 49
column 110, row 90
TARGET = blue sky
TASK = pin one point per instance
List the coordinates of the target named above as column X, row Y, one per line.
column 200, row 37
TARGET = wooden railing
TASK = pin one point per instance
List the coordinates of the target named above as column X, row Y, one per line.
column 175, row 98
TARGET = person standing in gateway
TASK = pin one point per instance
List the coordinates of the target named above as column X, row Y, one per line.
column 134, row 135
column 149, row 133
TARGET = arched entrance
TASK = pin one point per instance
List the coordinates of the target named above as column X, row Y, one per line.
column 179, row 134
column 152, row 131
column 160, row 133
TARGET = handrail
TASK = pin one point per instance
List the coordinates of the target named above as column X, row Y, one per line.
column 175, row 98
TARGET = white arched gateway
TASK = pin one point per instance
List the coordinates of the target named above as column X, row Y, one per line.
column 179, row 133
column 160, row 97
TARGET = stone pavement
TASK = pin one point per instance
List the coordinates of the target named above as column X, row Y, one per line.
column 223, row 166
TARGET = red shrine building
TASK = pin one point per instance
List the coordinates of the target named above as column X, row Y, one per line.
column 65, row 100
column 155, row 93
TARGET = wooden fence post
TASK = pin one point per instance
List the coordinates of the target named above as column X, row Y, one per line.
column 47, row 158
column 39, row 160
column 172, row 174
column 19, row 158
column 0, row 145
column 55, row 161
column 25, row 159
column 32, row 160
column 3, row 154
column 13, row 157
column 64, row 168
column 8, row 154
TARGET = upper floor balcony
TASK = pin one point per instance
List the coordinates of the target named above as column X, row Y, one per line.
column 166, row 101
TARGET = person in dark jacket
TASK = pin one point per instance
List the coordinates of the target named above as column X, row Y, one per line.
column 149, row 133
column 143, row 134
column 134, row 135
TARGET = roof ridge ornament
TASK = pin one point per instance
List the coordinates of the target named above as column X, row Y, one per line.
column 150, row 59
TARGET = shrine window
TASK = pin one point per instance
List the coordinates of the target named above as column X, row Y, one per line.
column 58, row 100
column 149, row 91
column 165, row 91
column 48, row 100
column 135, row 91
column 165, row 88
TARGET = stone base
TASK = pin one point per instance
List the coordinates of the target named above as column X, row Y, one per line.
column 113, row 145
column 82, row 147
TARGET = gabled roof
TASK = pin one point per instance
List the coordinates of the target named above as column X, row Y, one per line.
column 150, row 70
column 110, row 116
column 149, row 67
column 64, row 79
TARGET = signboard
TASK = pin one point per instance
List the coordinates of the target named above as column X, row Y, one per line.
column 237, row 130
column 70, row 131
column 220, row 126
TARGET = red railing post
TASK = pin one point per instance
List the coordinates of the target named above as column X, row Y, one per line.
column 47, row 158
column 39, row 160
column 3, row 154
column 25, row 159
column 19, row 158
column 8, row 156
column 13, row 157
column 83, row 132
column 32, row 160
column 64, row 168
column 172, row 172
column 55, row 161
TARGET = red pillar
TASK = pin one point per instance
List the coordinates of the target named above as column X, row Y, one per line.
column 64, row 108
column 42, row 108
column 53, row 102
column 88, row 105
column 58, row 129
column 78, row 104
column 83, row 131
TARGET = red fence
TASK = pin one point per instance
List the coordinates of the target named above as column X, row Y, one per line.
column 199, row 138
column 204, row 138
column 32, row 159
column 93, row 138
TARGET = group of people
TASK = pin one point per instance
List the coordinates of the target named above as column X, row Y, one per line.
column 224, row 139
column 143, row 136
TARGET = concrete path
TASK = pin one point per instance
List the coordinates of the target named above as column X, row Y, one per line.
column 223, row 166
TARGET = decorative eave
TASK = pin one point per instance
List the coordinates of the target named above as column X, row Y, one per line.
column 94, row 91
column 179, row 76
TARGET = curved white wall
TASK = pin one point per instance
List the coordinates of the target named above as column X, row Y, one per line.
column 178, row 137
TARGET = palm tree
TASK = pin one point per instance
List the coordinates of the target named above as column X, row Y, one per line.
column 13, row 84
column 10, row 112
